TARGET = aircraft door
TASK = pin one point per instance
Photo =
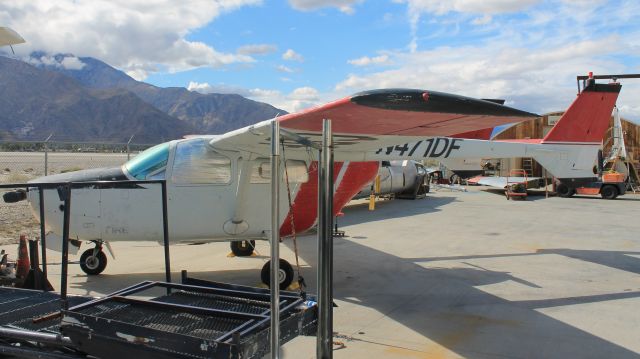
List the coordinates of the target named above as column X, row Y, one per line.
column 200, row 189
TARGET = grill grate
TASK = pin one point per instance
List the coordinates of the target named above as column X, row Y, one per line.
column 215, row 301
column 204, row 326
column 19, row 307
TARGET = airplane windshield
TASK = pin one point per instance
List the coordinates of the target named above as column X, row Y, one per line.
column 149, row 163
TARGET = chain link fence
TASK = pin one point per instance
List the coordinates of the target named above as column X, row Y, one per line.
column 24, row 161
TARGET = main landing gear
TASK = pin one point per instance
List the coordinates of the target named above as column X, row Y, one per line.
column 243, row 248
column 93, row 261
column 285, row 274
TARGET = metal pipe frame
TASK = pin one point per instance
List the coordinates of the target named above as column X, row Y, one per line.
column 28, row 335
column 43, row 240
column 324, row 348
column 275, row 240
column 66, row 189
column 165, row 235
column 65, row 247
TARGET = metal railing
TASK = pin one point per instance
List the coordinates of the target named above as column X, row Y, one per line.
column 65, row 190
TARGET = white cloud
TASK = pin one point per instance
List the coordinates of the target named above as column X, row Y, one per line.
column 483, row 20
column 298, row 99
column 468, row 6
column 285, row 69
column 132, row 35
column 67, row 62
column 291, row 55
column 534, row 79
column 415, row 9
column 345, row 6
column 305, row 94
column 206, row 88
column 366, row 61
column 257, row 49
column 72, row 63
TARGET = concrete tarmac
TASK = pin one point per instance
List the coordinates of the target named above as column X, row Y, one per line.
column 457, row 274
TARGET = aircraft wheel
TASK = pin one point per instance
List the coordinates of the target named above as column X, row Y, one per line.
column 285, row 275
column 564, row 191
column 93, row 265
column 243, row 248
column 608, row 192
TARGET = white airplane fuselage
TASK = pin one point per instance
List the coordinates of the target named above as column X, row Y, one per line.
column 212, row 195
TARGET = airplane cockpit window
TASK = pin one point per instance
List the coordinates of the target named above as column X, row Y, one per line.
column 196, row 163
column 150, row 164
column 296, row 171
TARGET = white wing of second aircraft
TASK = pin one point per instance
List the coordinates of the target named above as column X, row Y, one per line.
column 502, row 182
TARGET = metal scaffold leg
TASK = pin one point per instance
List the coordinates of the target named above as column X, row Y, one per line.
column 324, row 348
column 275, row 240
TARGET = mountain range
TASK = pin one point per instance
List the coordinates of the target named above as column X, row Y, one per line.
column 96, row 102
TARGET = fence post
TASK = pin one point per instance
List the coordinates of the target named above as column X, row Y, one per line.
column 128, row 150
column 46, row 155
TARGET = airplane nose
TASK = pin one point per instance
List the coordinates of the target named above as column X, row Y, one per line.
column 97, row 174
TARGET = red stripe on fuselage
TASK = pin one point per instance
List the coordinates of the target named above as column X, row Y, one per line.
column 304, row 209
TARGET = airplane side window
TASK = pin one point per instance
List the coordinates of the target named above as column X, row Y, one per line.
column 261, row 171
column 297, row 171
column 196, row 163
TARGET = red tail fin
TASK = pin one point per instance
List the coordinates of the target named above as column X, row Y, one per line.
column 587, row 119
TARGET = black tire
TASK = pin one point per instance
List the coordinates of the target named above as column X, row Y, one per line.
column 609, row 191
column 286, row 274
column 243, row 248
column 564, row 191
column 93, row 265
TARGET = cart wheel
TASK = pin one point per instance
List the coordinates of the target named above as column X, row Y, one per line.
column 93, row 265
column 285, row 274
column 243, row 248
column 609, row 191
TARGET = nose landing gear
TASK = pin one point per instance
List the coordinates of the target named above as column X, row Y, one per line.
column 93, row 261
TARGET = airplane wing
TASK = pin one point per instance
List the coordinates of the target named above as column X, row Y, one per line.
column 371, row 120
column 501, row 182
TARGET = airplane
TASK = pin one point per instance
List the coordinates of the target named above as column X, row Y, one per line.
column 568, row 152
column 218, row 186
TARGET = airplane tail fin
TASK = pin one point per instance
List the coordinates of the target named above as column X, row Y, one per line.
column 587, row 119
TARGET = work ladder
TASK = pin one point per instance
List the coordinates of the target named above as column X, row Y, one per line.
column 527, row 166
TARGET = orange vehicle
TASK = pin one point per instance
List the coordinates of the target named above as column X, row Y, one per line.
column 610, row 185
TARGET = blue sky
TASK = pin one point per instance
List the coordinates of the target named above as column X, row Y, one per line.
column 299, row 53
